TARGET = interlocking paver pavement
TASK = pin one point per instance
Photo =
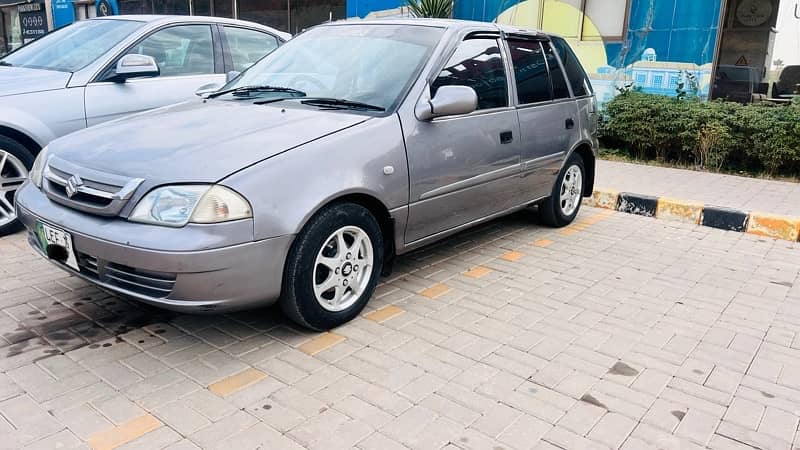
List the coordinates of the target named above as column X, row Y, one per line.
column 617, row 332
column 746, row 194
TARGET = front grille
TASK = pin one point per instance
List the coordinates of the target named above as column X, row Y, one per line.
column 87, row 190
column 144, row 282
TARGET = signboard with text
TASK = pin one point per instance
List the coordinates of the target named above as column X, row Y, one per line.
column 33, row 18
column 63, row 13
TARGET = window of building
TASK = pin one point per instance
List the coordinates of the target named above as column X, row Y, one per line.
column 641, row 79
column 673, row 81
column 588, row 20
column 248, row 46
column 477, row 63
column 604, row 20
column 180, row 50
column 530, row 71
column 658, row 80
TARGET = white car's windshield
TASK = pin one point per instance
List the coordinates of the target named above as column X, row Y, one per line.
column 371, row 64
column 73, row 47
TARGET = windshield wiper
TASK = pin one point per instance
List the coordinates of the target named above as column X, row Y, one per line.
column 339, row 103
column 7, row 64
column 264, row 88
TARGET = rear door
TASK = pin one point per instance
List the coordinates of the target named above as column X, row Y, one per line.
column 547, row 113
column 188, row 56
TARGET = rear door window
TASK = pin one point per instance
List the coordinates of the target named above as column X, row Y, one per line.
column 560, row 89
column 530, row 71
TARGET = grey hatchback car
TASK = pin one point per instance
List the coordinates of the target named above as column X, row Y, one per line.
column 301, row 179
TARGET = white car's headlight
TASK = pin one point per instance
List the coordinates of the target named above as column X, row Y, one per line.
column 175, row 206
column 38, row 167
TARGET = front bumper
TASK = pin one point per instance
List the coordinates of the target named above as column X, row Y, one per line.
column 127, row 258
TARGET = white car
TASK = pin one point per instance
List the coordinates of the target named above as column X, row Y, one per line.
column 100, row 69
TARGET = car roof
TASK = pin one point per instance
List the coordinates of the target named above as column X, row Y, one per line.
column 158, row 19
column 454, row 24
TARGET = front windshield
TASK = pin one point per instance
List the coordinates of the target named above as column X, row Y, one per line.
column 73, row 47
column 367, row 63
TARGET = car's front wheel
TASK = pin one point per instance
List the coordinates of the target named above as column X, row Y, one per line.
column 333, row 267
column 15, row 161
column 561, row 208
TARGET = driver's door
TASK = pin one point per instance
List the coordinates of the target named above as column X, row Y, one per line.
column 188, row 58
column 465, row 168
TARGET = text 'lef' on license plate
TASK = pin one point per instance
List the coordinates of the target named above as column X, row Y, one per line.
column 50, row 235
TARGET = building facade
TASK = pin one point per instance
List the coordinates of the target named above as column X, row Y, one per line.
column 655, row 46
column 652, row 45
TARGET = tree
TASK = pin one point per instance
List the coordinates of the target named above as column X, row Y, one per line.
column 439, row 9
column 778, row 63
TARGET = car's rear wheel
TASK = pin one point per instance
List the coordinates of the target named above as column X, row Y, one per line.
column 564, row 203
column 333, row 267
column 15, row 161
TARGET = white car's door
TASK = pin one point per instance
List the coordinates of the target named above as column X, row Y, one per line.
column 188, row 57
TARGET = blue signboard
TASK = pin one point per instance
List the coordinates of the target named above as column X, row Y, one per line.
column 63, row 13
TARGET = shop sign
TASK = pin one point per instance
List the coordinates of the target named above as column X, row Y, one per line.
column 63, row 13
column 33, row 19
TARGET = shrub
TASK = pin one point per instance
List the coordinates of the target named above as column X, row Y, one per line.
column 712, row 135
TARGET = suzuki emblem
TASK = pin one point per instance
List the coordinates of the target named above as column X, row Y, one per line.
column 73, row 184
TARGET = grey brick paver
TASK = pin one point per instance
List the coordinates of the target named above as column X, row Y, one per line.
column 632, row 333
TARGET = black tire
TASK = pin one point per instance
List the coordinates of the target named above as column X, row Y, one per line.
column 20, row 152
column 298, row 299
column 550, row 211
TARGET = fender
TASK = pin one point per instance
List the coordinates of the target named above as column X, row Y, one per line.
column 26, row 124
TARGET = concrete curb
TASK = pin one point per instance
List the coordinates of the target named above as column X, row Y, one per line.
column 768, row 225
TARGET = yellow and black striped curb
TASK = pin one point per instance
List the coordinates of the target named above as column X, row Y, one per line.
column 769, row 225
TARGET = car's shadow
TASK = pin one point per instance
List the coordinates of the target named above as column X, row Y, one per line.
column 86, row 316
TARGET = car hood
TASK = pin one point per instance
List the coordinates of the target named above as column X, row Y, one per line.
column 197, row 141
column 19, row 80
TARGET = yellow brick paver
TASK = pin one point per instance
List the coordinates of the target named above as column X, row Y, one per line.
column 512, row 256
column 437, row 290
column 384, row 314
column 235, row 383
column 543, row 243
column 478, row 272
column 128, row 431
column 320, row 343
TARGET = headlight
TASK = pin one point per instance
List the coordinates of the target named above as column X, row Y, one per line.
column 38, row 168
column 175, row 206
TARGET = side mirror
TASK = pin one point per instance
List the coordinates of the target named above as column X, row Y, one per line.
column 206, row 89
column 230, row 76
column 134, row 65
column 449, row 101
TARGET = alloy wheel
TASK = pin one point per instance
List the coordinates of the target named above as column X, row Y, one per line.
column 12, row 174
column 571, row 190
column 343, row 268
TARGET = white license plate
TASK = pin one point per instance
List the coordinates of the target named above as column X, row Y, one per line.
column 54, row 236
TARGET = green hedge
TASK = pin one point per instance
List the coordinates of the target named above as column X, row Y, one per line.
column 713, row 135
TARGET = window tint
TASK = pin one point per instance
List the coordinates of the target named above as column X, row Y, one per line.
column 181, row 50
column 530, row 71
column 477, row 63
column 248, row 46
column 577, row 77
column 560, row 89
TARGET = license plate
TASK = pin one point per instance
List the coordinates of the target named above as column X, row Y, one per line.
column 49, row 235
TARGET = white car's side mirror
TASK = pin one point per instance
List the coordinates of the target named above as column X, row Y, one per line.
column 448, row 101
column 135, row 65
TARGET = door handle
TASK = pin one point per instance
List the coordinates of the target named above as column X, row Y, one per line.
column 570, row 124
column 506, row 137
